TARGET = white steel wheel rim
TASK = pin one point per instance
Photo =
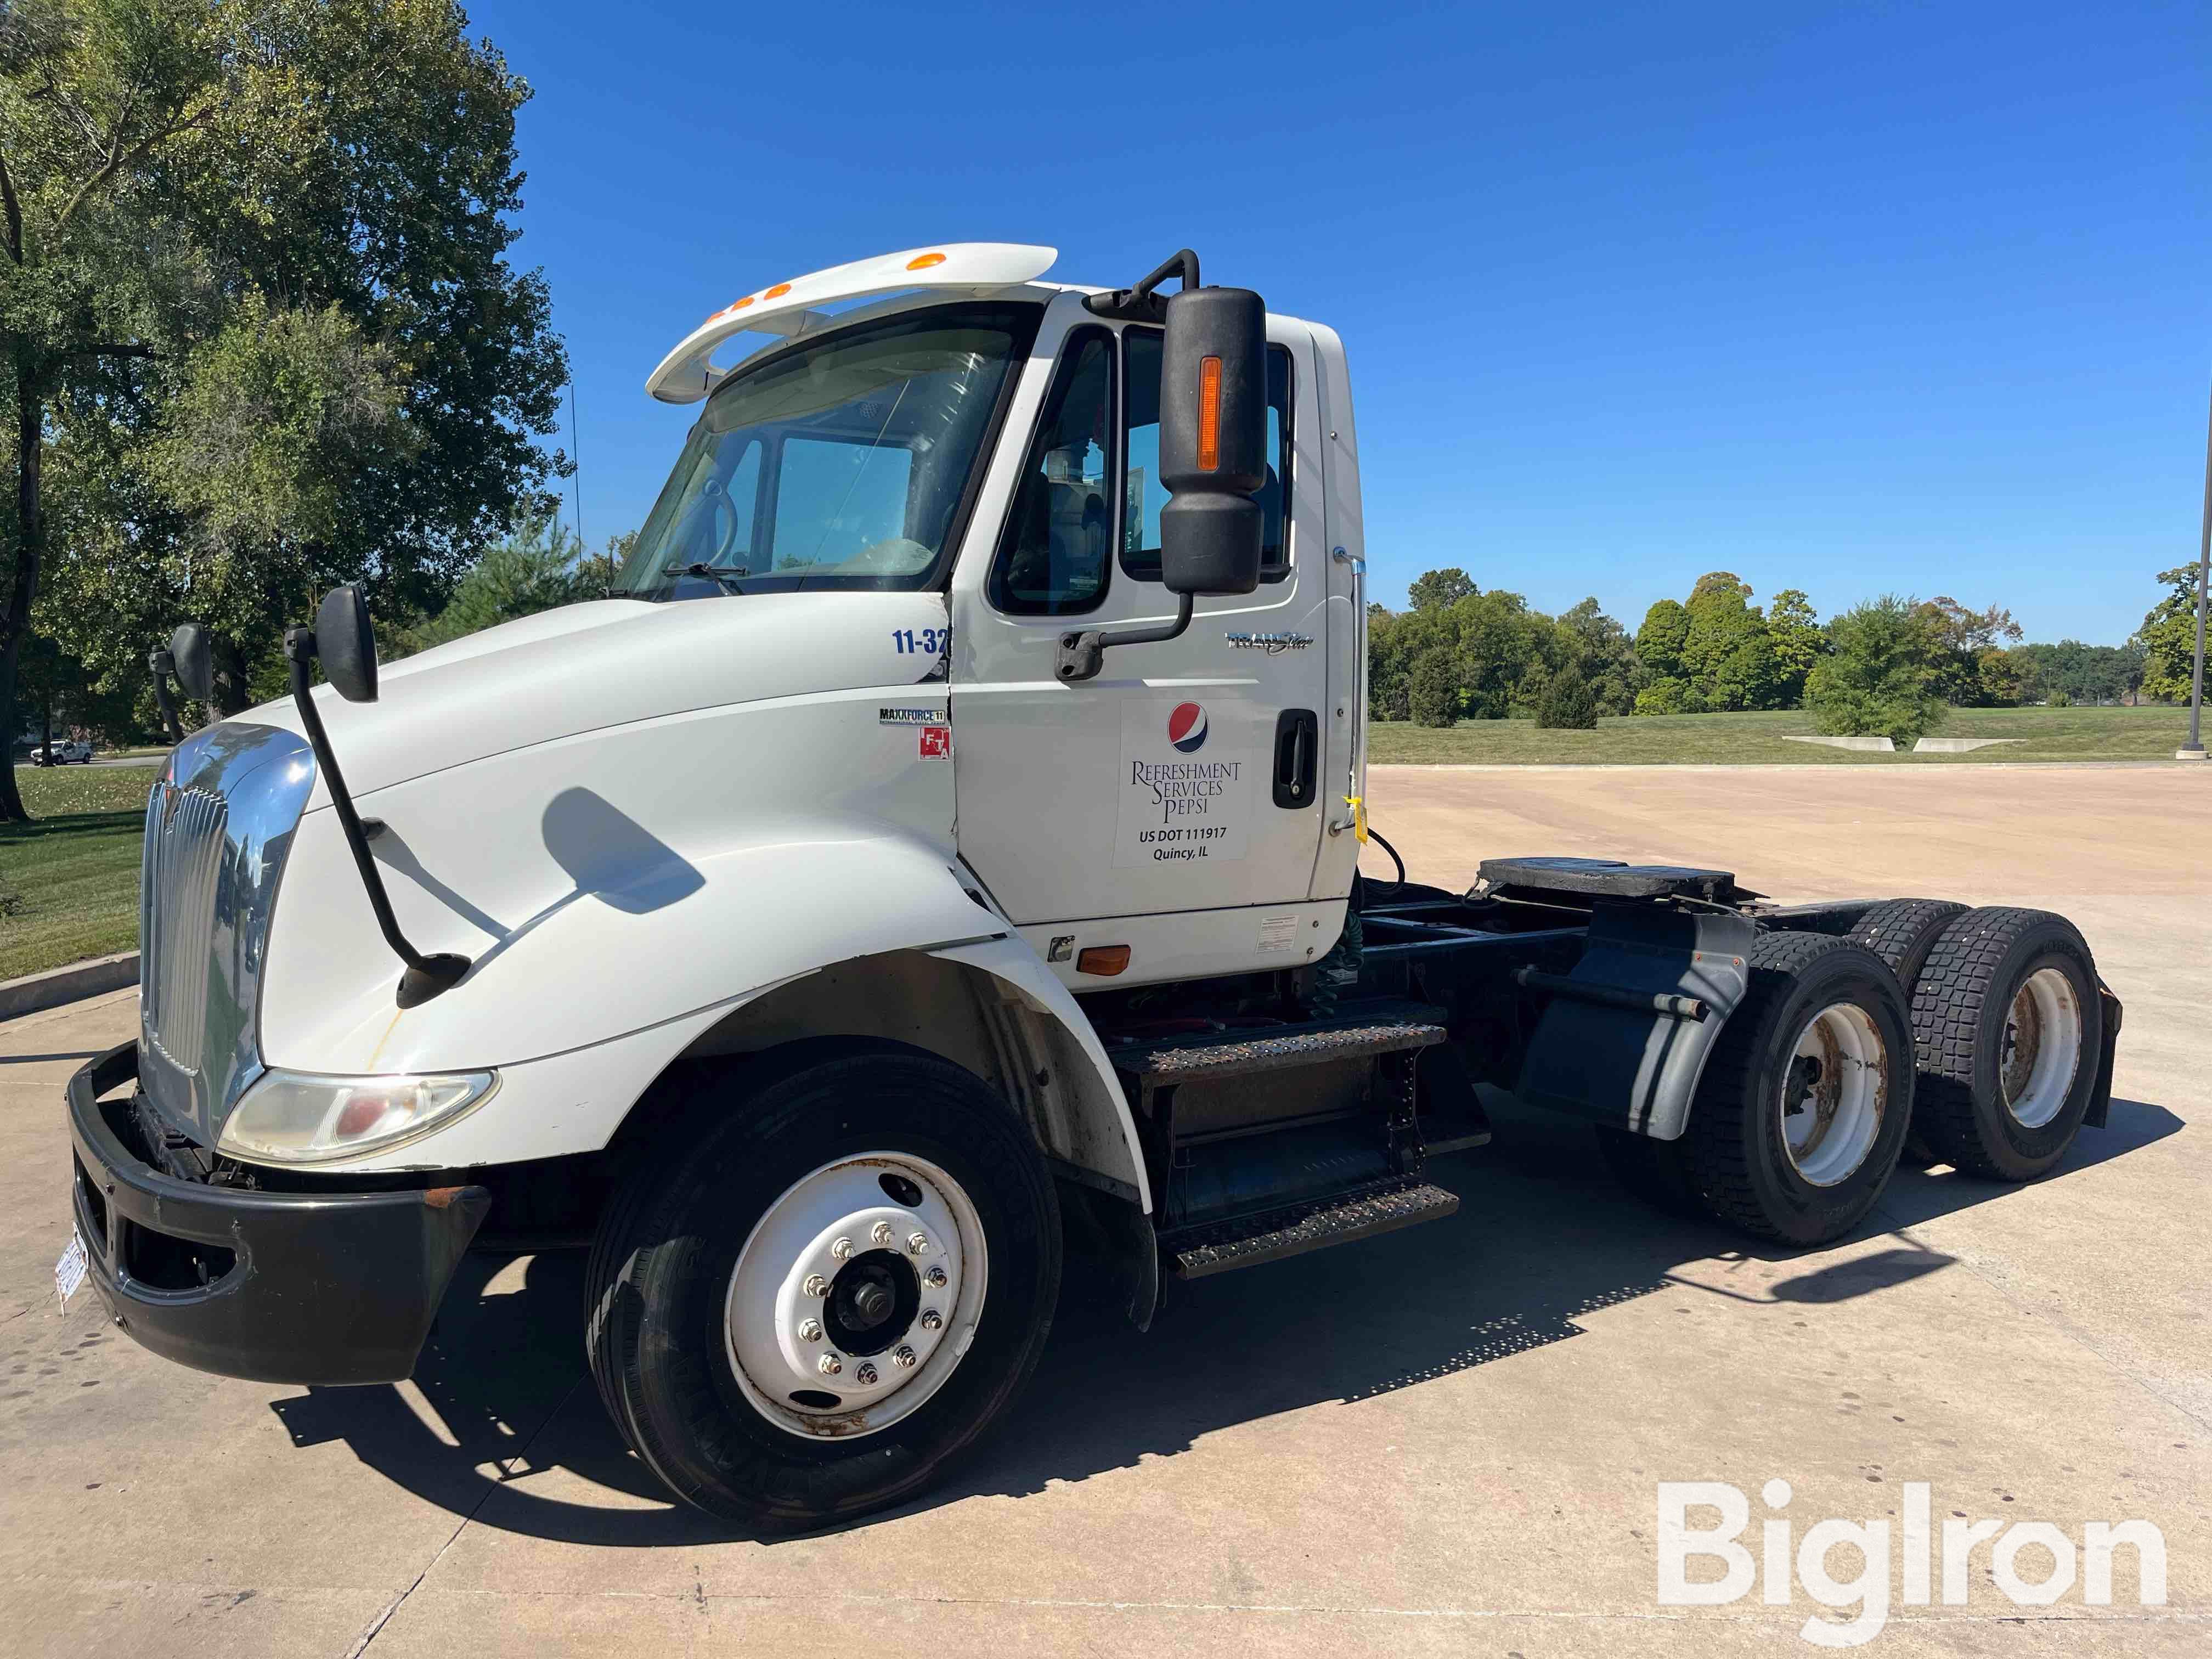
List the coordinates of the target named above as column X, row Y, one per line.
column 1835, row 1093
column 2042, row 1049
column 855, row 1216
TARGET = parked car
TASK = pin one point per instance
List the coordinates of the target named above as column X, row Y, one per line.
column 67, row 751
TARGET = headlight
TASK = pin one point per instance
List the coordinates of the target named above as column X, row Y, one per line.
column 291, row 1117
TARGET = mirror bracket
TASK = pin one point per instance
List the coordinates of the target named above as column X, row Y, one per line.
column 1083, row 654
column 425, row 976
column 1140, row 304
column 163, row 663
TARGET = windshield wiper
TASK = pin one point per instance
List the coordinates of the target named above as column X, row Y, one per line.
column 720, row 573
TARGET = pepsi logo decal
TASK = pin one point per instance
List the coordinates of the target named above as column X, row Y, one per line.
column 1185, row 797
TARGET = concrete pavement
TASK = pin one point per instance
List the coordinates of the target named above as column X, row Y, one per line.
column 1447, row 1440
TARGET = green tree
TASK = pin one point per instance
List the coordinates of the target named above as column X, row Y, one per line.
column 1389, row 664
column 1880, row 676
column 1961, row 636
column 1434, row 590
column 1670, row 695
column 1499, row 639
column 537, row 569
column 1793, row 629
column 94, row 95
column 328, row 193
column 1433, row 692
column 1599, row 648
column 2168, row 638
column 1728, row 654
column 278, row 427
column 1568, row 702
column 1660, row 641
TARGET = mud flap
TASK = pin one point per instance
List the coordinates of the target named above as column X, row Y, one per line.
column 2101, row 1099
column 1623, row 1038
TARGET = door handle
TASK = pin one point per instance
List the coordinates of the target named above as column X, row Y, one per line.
column 1297, row 745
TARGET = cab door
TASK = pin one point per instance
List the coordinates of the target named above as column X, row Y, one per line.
column 1185, row 777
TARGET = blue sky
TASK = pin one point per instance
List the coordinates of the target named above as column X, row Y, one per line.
column 1863, row 298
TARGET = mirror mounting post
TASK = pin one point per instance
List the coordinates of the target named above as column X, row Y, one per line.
column 1082, row 655
column 163, row 665
column 425, row 976
column 1140, row 304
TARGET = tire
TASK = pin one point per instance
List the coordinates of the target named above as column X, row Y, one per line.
column 1823, row 1026
column 1902, row 932
column 1992, row 1103
column 698, row 1321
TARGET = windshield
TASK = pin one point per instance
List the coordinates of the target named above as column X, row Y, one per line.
column 842, row 464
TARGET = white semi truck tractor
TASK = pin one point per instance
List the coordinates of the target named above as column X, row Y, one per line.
column 939, row 850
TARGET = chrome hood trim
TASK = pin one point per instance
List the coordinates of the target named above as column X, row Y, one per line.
column 218, row 826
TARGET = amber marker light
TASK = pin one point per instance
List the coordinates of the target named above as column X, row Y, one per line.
column 777, row 292
column 924, row 261
column 1209, row 414
column 1103, row 960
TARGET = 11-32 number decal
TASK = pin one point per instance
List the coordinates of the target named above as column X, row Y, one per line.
column 924, row 641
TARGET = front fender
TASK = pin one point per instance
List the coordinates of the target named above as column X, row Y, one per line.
column 583, row 1006
column 654, row 936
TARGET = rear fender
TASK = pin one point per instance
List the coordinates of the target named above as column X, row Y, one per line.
column 1598, row 1055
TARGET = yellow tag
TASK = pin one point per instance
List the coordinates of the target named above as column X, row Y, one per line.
column 1358, row 818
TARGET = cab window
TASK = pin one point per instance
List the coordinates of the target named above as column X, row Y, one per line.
column 1053, row 559
column 1140, row 529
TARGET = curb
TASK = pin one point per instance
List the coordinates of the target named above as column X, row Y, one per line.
column 74, row 983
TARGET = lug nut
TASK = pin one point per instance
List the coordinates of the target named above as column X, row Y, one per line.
column 828, row 1365
column 917, row 1243
column 840, row 1247
column 881, row 1232
column 903, row 1358
column 865, row 1376
column 810, row 1330
column 934, row 1279
column 815, row 1286
column 932, row 1320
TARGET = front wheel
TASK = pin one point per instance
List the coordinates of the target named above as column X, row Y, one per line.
column 812, row 1308
column 1804, row 1104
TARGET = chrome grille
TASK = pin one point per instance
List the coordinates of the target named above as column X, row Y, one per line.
column 218, row 827
column 184, row 846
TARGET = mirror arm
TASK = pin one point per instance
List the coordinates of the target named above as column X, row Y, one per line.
column 163, row 665
column 425, row 976
column 1082, row 655
column 1140, row 304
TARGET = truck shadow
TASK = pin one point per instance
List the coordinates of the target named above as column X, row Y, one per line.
column 515, row 1437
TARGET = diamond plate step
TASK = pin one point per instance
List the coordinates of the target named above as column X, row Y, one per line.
column 1380, row 1207
column 1382, row 1029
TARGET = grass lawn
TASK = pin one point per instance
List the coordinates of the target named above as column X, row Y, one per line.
column 69, row 882
column 2048, row 734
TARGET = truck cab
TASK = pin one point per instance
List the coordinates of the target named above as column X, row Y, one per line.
column 940, row 851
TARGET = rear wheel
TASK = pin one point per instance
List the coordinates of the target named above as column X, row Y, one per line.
column 1902, row 932
column 808, row 1312
column 1804, row 1104
column 2008, row 1028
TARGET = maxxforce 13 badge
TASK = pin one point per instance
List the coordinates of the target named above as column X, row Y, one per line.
column 1187, row 727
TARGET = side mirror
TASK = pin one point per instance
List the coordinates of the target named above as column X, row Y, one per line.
column 1214, row 440
column 192, row 652
column 346, row 644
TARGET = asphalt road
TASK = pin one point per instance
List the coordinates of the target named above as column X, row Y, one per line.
column 1447, row 1440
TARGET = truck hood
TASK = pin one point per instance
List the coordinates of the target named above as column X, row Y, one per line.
column 616, row 662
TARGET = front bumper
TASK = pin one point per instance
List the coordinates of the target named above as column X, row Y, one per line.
column 322, row 1287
